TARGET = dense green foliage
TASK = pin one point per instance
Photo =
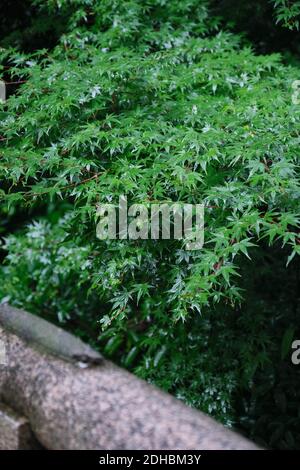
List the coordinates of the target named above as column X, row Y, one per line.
column 152, row 100
column 288, row 12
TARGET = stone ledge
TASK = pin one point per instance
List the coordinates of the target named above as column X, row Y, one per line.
column 15, row 432
column 98, row 407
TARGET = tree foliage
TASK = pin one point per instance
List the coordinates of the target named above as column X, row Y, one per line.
column 152, row 100
column 288, row 13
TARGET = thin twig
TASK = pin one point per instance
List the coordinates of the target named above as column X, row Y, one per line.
column 16, row 83
column 68, row 186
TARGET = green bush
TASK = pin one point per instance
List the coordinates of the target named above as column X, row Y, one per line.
column 149, row 99
column 288, row 13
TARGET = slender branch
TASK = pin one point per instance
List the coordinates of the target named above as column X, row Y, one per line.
column 16, row 83
column 68, row 186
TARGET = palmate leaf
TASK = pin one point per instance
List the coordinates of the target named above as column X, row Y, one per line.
column 149, row 99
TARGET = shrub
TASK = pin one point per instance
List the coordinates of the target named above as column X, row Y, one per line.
column 288, row 12
column 148, row 99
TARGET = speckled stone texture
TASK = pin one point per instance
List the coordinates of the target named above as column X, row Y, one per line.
column 15, row 432
column 98, row 407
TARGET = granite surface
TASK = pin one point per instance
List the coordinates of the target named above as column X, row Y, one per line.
column 85, row 405
column 15, row 432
